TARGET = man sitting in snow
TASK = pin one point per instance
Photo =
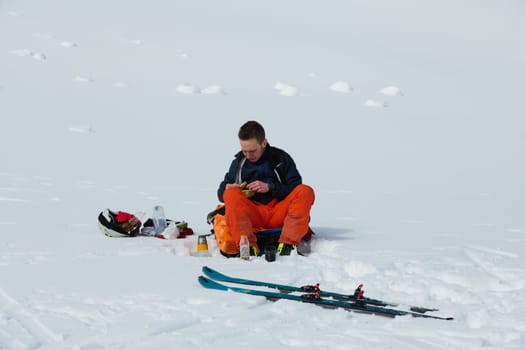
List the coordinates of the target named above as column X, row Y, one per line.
column 263, row 189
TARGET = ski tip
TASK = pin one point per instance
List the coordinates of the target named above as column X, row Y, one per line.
column 210, row 284
column 444, row 318
column 214, row 274
column 422, row 309
column 208, row 271
column 415, row 314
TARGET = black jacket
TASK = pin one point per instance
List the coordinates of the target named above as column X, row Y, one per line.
column 275, row 167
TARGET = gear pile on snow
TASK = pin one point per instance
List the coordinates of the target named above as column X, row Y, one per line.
column 123, row 224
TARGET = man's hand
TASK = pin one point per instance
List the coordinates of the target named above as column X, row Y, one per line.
column 232, row 185
column 243, row 187
column 249, row 189
column 259, row 186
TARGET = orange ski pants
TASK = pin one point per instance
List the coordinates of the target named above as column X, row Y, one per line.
column 292, row 214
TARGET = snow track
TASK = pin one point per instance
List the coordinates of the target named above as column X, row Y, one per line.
column 22, row 326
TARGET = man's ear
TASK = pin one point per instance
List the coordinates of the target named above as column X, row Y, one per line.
column 264, row 143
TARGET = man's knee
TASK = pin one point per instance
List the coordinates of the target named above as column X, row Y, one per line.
column 306, row 193
column 232, row 194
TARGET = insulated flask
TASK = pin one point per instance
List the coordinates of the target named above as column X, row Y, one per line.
column 202, row 243
column 159, row 219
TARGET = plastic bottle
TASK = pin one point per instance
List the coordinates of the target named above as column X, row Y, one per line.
column 159, row 219
column 244, row 248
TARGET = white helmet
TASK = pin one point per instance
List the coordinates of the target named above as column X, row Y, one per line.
column 119, row 224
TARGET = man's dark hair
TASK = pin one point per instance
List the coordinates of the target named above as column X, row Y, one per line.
column 252, row 129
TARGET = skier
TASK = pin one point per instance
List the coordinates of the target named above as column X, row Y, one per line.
column 262, row 189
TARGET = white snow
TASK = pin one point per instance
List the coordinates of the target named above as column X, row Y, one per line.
column 341, row 86
column 213, row 90
column 391, row 91
column 68, row 44
column 285, row 89
column 422, row 202
column 82, row 129
column 28, row 53
column 84, row 79
column 187, row 89
column 375, row 103
column 120, row 85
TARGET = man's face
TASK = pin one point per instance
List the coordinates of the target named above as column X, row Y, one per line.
column 252, row 150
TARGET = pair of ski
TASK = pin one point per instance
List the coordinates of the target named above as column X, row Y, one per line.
column 313, row 295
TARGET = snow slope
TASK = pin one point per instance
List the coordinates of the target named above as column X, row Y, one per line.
column 406, row 117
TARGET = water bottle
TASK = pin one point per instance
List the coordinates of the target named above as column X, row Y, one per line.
column 244, row 248
column 159, row 219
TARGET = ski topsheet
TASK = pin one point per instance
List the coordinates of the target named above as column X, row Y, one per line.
column 314, row 299
column 356, row 297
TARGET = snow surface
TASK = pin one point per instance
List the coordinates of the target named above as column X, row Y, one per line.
column 423, row 201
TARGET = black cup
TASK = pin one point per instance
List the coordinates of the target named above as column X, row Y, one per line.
column 269, row 253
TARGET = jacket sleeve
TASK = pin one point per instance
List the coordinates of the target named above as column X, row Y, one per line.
column 229, row 178
column 289, row 175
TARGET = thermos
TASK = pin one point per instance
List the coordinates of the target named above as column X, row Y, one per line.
column 202, row 243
